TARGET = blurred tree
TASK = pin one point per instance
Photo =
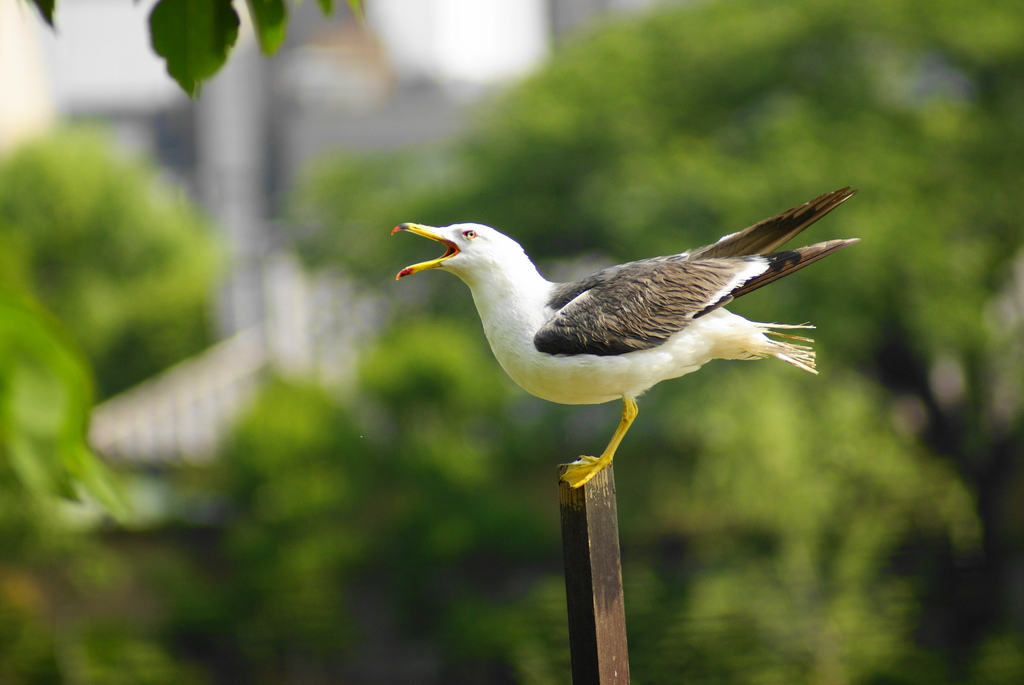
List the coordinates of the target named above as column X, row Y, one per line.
column 126, row 264
column 825, row 536
column 46, row 390
column 56, row 579
column 27, row 534
column 128, row 269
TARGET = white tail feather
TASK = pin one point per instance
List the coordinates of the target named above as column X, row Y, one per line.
column 800, row 356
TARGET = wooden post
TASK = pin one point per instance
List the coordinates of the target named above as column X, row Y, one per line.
column 593, row 581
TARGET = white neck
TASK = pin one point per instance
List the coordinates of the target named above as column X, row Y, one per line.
column 511, row 299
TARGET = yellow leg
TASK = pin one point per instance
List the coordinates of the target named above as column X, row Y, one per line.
column 585, row 468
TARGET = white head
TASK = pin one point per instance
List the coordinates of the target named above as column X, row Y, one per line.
column 470, row 250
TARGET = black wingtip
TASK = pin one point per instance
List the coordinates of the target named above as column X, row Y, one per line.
column 772, row 233
column 786, row 262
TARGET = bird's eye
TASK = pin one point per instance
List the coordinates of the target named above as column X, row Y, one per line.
column 469, row 234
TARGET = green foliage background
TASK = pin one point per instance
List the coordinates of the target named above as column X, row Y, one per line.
column 863, row 526
column 105, row 271
column 122, row 261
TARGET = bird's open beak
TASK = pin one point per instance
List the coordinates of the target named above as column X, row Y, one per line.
column 451, row 249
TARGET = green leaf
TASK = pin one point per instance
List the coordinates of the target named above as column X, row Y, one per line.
column 46, row 8
column 271, row 19
column 45, row 401
column 37, row 402
column 327, row 7
column 97, row 481
column 194, row 36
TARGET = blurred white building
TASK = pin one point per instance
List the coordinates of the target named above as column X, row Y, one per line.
column 462, row 41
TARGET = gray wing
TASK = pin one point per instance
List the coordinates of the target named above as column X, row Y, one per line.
column 639, row 305
column 770, row 234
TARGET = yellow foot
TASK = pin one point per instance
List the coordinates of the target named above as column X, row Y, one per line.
column 583, row 469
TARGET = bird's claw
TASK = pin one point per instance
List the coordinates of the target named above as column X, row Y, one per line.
column 579, row 472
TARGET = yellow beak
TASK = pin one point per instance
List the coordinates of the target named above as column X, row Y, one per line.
column 451, row 249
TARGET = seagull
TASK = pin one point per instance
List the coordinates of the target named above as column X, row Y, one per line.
column 617, row 332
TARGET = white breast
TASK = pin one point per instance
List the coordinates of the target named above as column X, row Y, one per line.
column 510, row 323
